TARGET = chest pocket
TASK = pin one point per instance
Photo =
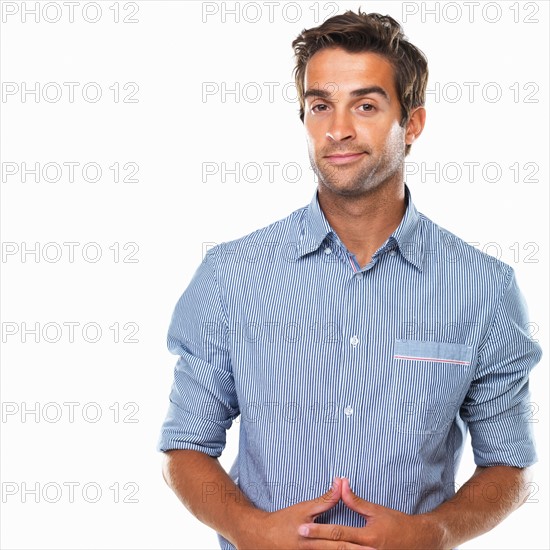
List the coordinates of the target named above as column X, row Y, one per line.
column 428, row 384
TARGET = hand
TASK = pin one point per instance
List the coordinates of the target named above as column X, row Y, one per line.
column 385, row 529
column 279, row 530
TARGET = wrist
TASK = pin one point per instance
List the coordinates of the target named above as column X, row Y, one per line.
column 248, row 523
column 434, row 531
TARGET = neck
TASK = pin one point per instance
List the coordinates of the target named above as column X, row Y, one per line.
column 363, row 223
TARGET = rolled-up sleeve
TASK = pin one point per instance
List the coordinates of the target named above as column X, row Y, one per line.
column 203, row 402
column 497, row 407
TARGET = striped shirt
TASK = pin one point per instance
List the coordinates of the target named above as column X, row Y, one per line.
column 374, row 373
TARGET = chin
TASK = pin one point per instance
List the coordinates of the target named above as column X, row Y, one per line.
column 345, row 190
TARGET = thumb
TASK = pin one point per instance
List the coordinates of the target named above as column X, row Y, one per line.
column 326, row 501
column 354, row 502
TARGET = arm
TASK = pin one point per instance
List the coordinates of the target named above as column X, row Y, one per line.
column 482, row 502
column 203, row 403
column 209, row 493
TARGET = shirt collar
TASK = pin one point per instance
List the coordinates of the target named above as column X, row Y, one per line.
column 315, row 228
column 407, row 236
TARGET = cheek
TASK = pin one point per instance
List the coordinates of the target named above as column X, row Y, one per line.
column 315, row 137
column 310, row 140
column 311, row 130
column 395, row 137
column 377, row 133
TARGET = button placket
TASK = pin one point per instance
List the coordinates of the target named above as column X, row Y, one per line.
column 350, row 365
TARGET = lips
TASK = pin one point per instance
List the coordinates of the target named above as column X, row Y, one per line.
column 344, row 158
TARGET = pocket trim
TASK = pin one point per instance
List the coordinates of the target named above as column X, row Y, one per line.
column 434, row 352
column 431, row 359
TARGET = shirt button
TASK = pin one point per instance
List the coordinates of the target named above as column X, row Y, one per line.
column 348, row 411
column 392, row 252
column 354, row 340
column 328, row 251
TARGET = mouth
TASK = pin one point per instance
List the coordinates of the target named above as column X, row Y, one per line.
column 344, row 158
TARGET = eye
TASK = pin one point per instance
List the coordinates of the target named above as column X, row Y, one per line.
column 367, row 107
column 319, row 107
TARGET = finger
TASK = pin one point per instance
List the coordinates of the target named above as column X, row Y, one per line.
column 331, row 545
column 333, row 532
column 356, row 503
column 326, row 501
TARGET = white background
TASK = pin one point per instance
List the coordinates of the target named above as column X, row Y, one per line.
column 172, row 213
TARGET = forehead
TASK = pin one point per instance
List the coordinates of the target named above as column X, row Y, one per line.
column 349, row 70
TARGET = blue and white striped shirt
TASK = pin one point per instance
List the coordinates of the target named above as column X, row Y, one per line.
column 371, row 373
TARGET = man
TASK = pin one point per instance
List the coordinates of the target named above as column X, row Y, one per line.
column 358, row 340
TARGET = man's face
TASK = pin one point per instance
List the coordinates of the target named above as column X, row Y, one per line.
column 352, row 116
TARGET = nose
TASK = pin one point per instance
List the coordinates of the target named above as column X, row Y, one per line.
column 341, row 127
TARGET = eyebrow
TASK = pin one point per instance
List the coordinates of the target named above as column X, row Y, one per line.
column 324, row 94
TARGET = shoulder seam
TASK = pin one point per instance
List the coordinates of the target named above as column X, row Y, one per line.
column 508, row 275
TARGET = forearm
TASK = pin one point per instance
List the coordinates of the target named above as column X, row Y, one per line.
column 208, row 492
column 482, row 502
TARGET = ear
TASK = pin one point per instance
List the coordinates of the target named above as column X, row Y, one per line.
column 415, row 125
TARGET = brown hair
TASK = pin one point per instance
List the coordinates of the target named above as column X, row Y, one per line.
column 367, row 32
